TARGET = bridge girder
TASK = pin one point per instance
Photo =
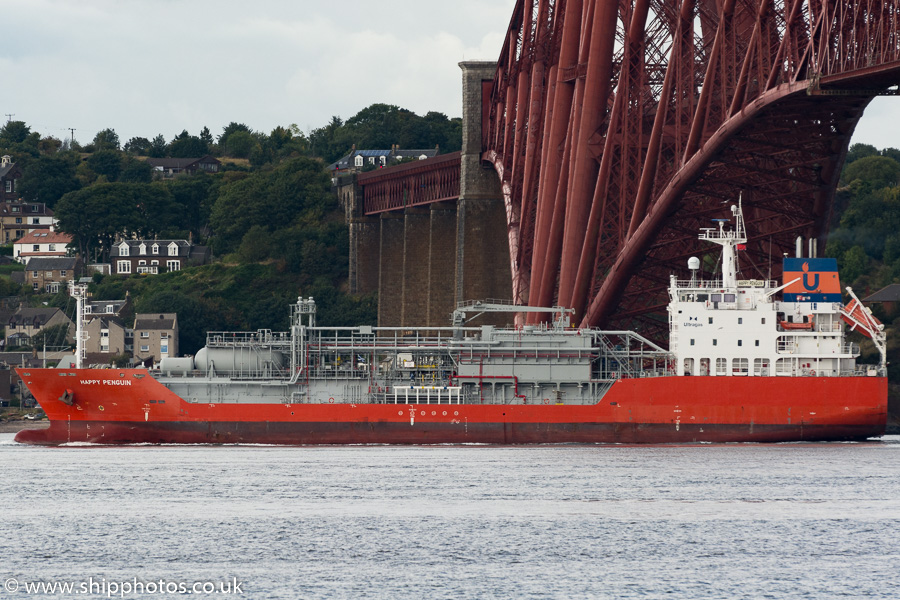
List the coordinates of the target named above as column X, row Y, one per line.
column 620, row 127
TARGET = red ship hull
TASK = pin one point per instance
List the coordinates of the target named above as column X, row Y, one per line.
column 127, row 407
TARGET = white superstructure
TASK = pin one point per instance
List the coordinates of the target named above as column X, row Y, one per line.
column 735, row 327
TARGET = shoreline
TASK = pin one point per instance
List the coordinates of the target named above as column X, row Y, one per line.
column 17, row 426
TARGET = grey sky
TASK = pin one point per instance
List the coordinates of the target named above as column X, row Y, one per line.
column 144, row 67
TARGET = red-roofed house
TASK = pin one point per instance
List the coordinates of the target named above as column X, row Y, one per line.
column 41, row 243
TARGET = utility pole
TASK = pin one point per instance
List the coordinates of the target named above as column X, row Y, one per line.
column 72, row 129
column 9, row 116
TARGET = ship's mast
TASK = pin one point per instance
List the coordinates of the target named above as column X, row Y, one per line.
column 729, row 241
column 79, row 292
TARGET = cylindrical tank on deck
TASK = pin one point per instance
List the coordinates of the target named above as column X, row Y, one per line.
column 171, row 364
column 237, row 359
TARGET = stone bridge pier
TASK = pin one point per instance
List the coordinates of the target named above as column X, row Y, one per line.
column 424, row 258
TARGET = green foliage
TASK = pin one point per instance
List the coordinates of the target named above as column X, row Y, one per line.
column 49, row 178
column 14, row 132
column 240, row 144
column 136, row 171
column 95, row 215
column 272, row 200
column 188, row 146
column 858, row 151
column 158, row 147
column 137, row 145
column 873, row 172
column 107, row 163
column 193, row 197
column 380, row 126
column 107, row 139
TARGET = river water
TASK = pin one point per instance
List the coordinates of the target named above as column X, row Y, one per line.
column 697, row 521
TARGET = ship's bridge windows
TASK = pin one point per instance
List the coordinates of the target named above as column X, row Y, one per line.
column 702, row 297
column 716, row 297
column 728, row 298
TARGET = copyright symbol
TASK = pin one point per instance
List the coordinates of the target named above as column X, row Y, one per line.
column 11, row 585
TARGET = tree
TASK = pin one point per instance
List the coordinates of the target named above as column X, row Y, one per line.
column 158, row 147
column 858, row 151
column 48, row 178
column 191, row 196
column 107, row 139
column 873, row 171
column 106, row 162
column 136, row 171
column 239, row 144
column 137, row 145
column 14, row 132
column 228, row 130
column 49, row 145
column 273, row 199
column 95, row 215
column 187, row 146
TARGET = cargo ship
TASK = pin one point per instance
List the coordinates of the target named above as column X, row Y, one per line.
column 749, row 360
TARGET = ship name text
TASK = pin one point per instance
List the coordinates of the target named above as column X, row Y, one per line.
column 105, row 382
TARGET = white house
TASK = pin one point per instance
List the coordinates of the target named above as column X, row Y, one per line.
column 42, row 243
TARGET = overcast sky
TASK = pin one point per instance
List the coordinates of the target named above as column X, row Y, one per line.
column 144, row 67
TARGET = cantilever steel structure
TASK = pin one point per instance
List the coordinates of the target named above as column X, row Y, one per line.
column 619, row 127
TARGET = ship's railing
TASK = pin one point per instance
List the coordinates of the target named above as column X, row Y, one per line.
column 230, row 339
column 426, row 394
column 686, row 285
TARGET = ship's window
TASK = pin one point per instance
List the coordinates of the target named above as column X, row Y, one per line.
column 702, row 297
column 760, row 367
column 740, row 366
column 692, row 341
column 763, row 321
column 721, row 366
column 740, row 342
column 710, row 320
column 717, row 297
column 715, row 342
column 729, row 298
column 740, row 320
column 757, row 342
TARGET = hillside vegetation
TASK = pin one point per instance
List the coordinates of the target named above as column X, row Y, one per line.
column 269, row 215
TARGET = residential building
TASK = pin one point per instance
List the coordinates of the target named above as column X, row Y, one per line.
column 26, row 322
column 41, row 244
column 10, row 173
column 118, row 308
column 107, row 332
column 18, row 218
column 357, row 160
column 172, row 167
column 155, row 256
column 50, row 274
column 155, row 336
column 106, row 335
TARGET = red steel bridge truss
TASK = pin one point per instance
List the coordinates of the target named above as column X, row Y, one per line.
column 619, row 128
